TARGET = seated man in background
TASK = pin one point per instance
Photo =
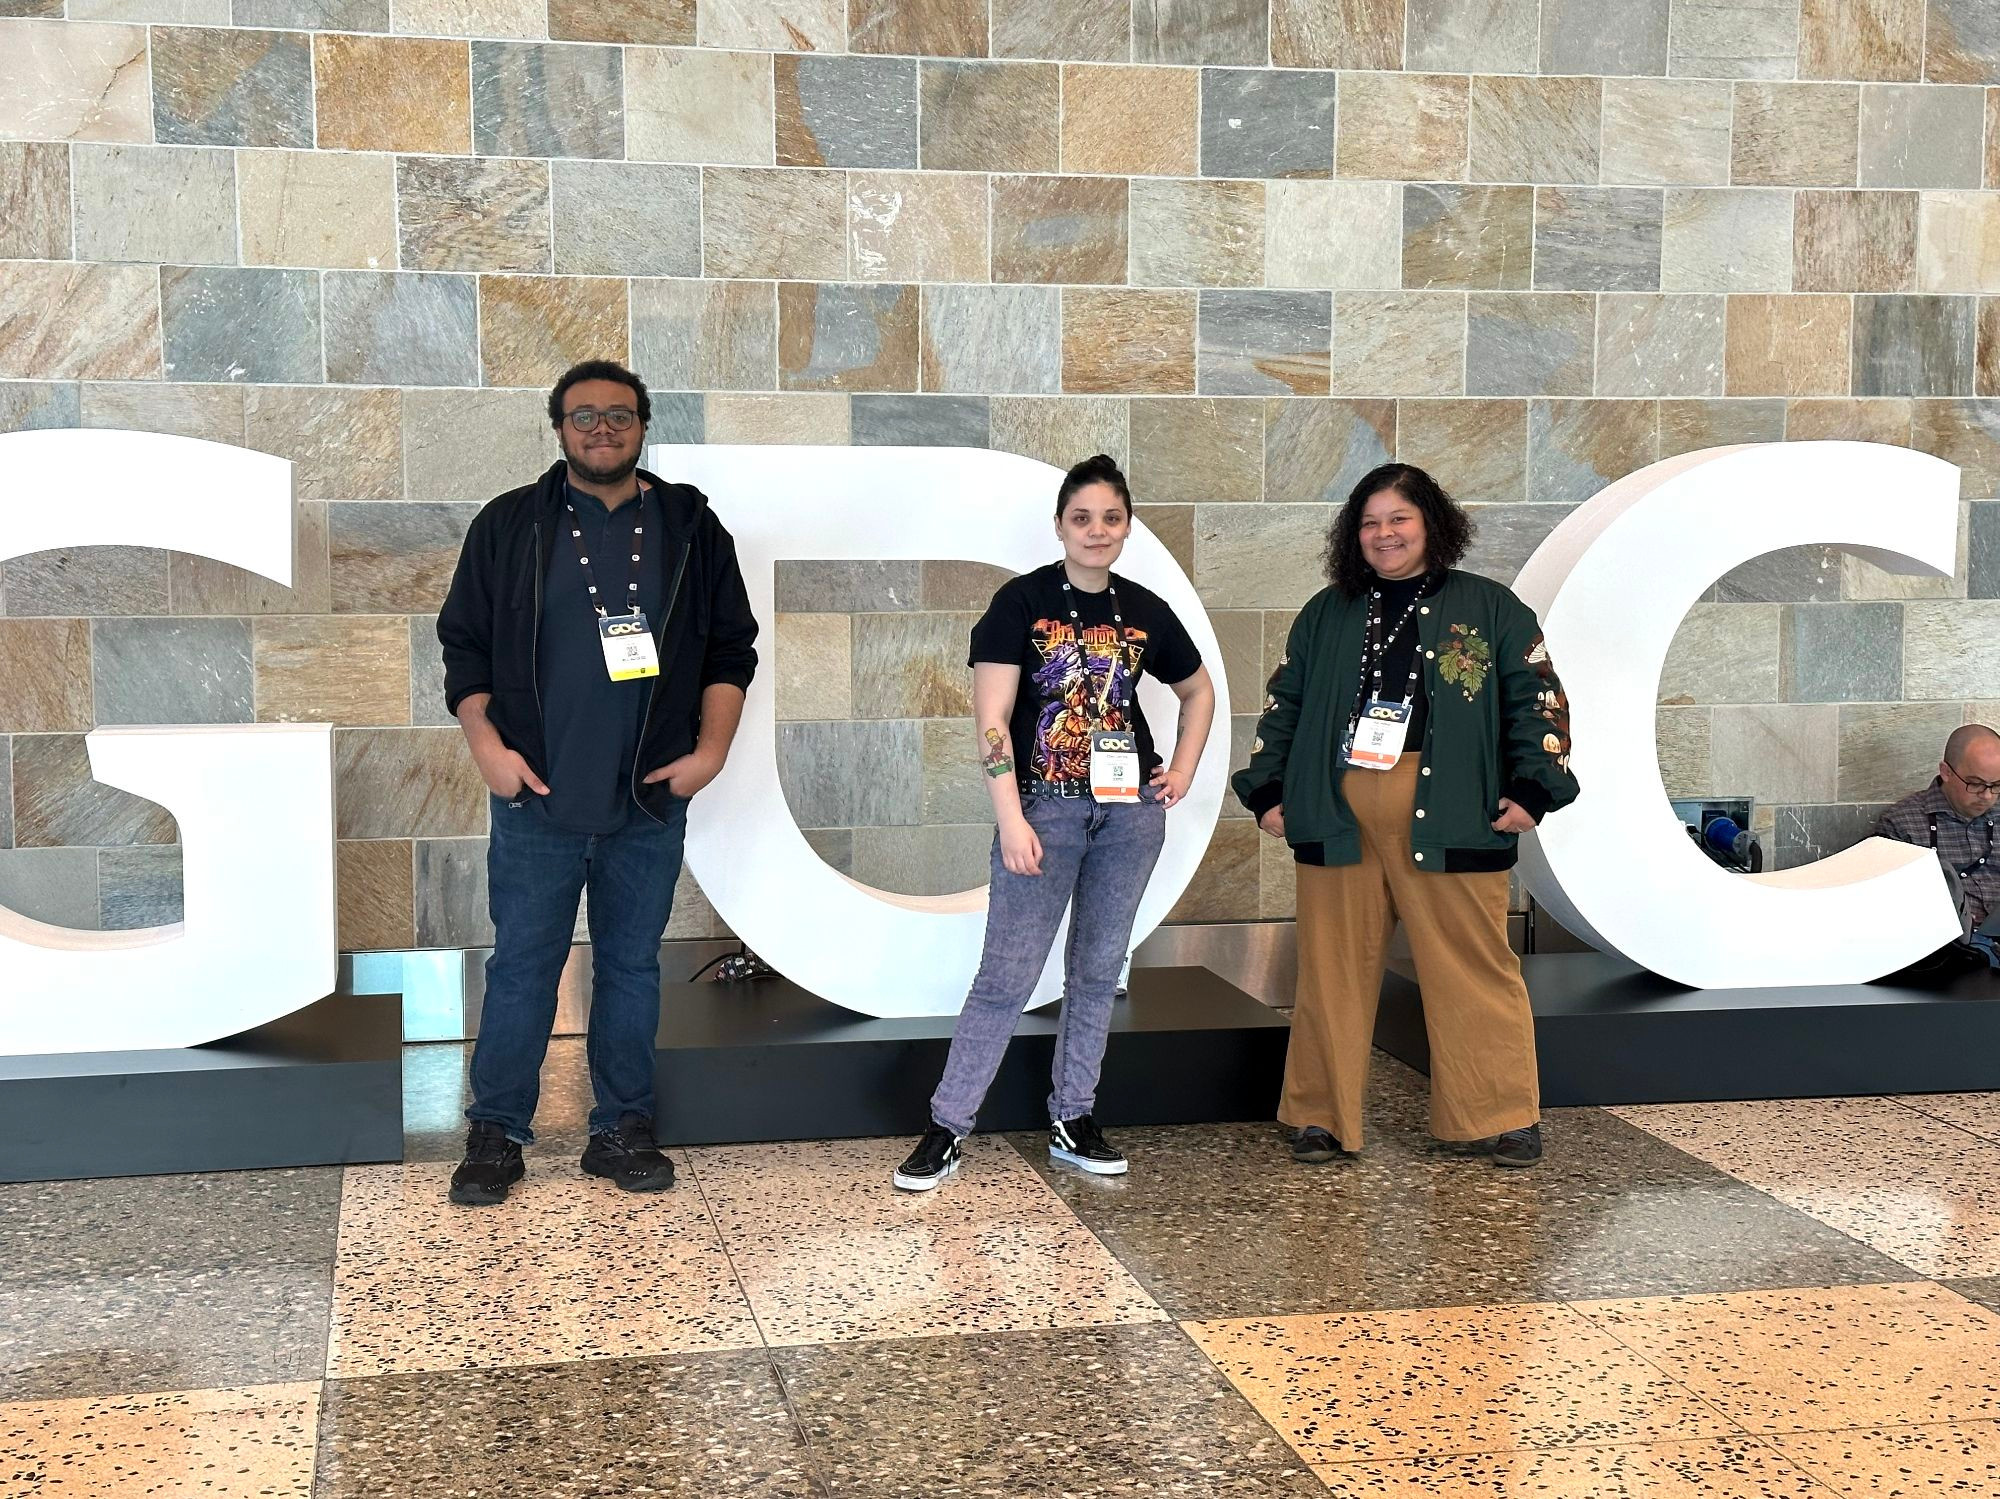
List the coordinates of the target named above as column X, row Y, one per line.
column 1955, row 815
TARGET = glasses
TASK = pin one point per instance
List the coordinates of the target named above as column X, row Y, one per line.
column 1975, row 786
column 618, row 418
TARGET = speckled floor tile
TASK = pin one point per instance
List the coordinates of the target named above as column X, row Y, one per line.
column 1922, row 1191
column 97, row 1335
column 828, row 1250
column 1217, row 1221
column 569, row 1267
column 1902, row 1462
column 1081, row 1412
column 1736, row 1469
column 1370, row 1386
column 695, row 1426
column 220, row 1444
column 1819, row 1359
column 1978, row 1113
column 436, row 1091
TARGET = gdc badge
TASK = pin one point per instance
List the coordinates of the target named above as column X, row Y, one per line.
column 1378, row 735
column 628, row 646
column 1114, row 765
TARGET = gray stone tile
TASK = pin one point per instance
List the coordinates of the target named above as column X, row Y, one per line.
column 921, row 421
column 991, row 340
column 1777, row 752
column 990, row 116
column 1841, row 653
column 451, row 893
column 626, row 218
column 1735, row 38
column 1575, row 448
column 1061, row 230
column 1201, row 31
column 1258, row 556
column 86, row 581
column 1653, row 345
column 954, row 786
column 934, row 860
column 163, row 671
column 1951, row 651
column 1805, row 835
column 844, row 336
column 678, row 417
column 1598, row 238
column 401, row 328
column 213, row 413
column 56, row 885
column 231, row 87
column 1260, row 122
column 1529, row 344
column 1726, row 239
column 1605, row 36
column 1505, row 537
column 1914, row 345
column 532, row 99
column 818, row 764
column 1264, row 342
column 813, row 587
column 6, row 791
column 1921, row 135
column 29, row 405
column 427, row 673
column 1723, row 653
column 1688, row 426
column 1545, row 130
column 1797, row 575
column 224, row 323
column 394, row 558
column 1315, row 452
column 1472, row 36
column 139, row 887
column 1983, row 550
column 313, row 15
column 847, row 111
column 1888, row 750
column 57, row 804
column 705, row 335
column 1468, row 237
column 468, row 445
column 154, row 203
column 1962, row 42
column 462, row 214
column 1066, row 30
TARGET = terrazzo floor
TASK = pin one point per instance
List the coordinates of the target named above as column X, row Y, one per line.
column 1730, row 1300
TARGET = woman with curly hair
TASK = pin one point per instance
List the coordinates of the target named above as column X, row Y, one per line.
column 1413, row 730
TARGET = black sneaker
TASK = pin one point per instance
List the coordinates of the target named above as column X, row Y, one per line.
column 630, row 1156
column 935, row 1158
column 1518, row 1147
column 492, row 1164
column 1079, row 1142
column 1314, row 1145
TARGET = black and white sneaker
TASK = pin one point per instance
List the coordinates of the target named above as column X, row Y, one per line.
column 935, row 1158
column 1079, row 1142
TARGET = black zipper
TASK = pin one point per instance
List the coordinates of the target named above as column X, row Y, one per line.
column 653, row 686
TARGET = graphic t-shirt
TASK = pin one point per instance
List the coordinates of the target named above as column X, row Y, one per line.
column 1082, row 675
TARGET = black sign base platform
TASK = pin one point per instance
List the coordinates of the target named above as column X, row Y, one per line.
column 1608, row 1032
column 321, row 1087
column 765, row 1060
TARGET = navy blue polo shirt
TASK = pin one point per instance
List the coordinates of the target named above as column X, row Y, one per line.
column 593, row 723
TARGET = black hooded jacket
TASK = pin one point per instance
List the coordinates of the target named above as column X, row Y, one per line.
column 490, row 624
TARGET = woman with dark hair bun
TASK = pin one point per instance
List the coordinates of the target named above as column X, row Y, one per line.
column 1413, row 730
column 1080, row 800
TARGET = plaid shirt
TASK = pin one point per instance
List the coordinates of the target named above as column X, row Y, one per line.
column 1962, row 843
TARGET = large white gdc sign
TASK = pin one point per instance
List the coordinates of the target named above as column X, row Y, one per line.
column 862, row 948
column 1612, row 584
column 254, row 801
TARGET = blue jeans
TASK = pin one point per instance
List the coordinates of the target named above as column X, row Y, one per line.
column 1103, row 856
column 534, row 873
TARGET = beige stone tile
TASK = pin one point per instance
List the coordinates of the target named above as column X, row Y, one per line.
column 1316, row 451
column 422, row 1285
column 1848, row 240
column 378, row 93
column 58, row 804
column 1479, row 446
column 833, row 337
column 485, row 214
column 1577, row 447
column 1402, row 1384
column 991, row 116
column 470, row 445
column 1986, row 374
column 1659, row 346
column 917, row 226
column 532, row 328
column 1723, row 653
column 376, row 896
column 155, row 203
column 706, row 335
column 814, row 668
column 1468, row 237
column 1337, row 33
column 828, row 1253
column 34, row 200
column 1398, row 343
column 1205, row 233
column 1874, row 39
column 326, row 209
column 1795, row 135
column 1258, row 556
column 1122, row 341
column 1775, row 752
column 698, row 105
column 954, row 787
column 1688, row 426
column 1062, row 230
column 45, row 683
column 1788, row 346
column 67, row 322
column 259, row 1439
column 924, row 28
column 1131, row 121
column 1961, row 43
column 1277, row 879
column 347, row 669
column 1726, row 239
column 1666, row 132
column 481, row 18
column 1410, row 126
column 1888, row 750
column 1947, row 649
column 1347, row 236
column 213, row 413
column 809, row 418
column 1848, row 421
column 1683, row 738
column 1536, row 130
column 63, row 81
column 911, row 664
column 938, row 860
column 791, row 26
column 1225, row 886
column 1077, row 30
column 394, row 557
column 407, row 782
column 659, row 23
column 1240, row 635
column 1958, row 242
column 1968, row 434
column 1059, row 429
column 787, row 224
column 1993, row 138
column 199, row 586
column 1197, row 450
column 344, row 443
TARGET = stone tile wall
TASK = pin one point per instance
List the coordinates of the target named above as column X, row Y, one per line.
column 1249, row 248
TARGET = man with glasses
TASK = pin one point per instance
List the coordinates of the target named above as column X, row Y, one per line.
column 598, row 642
column 1955, row 815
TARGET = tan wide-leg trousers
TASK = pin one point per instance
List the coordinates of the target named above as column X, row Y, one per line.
column 1482, row 1034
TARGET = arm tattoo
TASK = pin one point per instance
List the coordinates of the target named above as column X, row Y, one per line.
column 997, row 760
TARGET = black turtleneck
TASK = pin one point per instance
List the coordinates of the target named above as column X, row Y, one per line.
column 1396, row 596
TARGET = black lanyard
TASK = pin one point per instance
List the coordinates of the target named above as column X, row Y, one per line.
column 1976, row 862
column 638, row 550
column 1376, row 645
